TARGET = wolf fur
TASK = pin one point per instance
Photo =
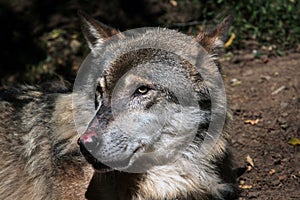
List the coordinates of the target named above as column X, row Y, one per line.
column 39, row 157
column 194, row 175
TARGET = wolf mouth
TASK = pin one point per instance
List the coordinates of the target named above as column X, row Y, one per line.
column 98, row 166
column 101, row 167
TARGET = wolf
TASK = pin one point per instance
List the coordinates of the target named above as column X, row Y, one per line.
column 39, row 157
column 140, row 139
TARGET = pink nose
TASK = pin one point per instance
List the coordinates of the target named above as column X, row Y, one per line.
column 88, row 137
column 88, row 141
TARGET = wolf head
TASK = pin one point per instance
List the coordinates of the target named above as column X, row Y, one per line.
column 152, row 102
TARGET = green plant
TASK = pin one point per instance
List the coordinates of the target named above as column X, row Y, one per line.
column 266, row 21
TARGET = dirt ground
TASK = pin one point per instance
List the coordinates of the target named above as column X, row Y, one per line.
column 266, row 91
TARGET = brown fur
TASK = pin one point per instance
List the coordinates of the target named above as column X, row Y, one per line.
column 39, row 157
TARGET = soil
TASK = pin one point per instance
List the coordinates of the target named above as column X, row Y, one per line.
column 268, row 93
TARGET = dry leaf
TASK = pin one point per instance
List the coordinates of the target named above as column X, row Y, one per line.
column 249, row 161
column 230, row 40
column 245, row 186
column 235, row 82
column 272, row 171
column 249, row 168
column 252, row 122
column 294, row 141
column 278, row 90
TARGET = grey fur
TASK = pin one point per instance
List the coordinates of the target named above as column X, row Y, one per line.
column 127, row 127
column 39, row 157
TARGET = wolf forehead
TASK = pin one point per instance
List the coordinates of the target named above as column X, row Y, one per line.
column 149, row 66
column 119, row 54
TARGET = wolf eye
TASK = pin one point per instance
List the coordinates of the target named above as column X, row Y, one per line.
column 142, row 90
column 98, row 95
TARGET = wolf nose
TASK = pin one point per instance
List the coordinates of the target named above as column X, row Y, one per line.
column 88, row 140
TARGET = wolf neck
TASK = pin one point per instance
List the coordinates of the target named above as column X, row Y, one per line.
column 175, row 181
column 188, row 178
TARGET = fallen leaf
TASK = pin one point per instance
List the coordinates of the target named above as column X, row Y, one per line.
column 250, row 163
column 230, row 40
column 249, row 168
column 278, row 90
column 249, row 160
column 272, row 171
column 235, row 82
column 245, row 186
column 294, row 141
column 252, row 122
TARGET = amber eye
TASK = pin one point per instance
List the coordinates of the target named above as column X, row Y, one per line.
column 142, row 90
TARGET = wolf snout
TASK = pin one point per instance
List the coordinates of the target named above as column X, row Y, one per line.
column 88, row 143
column 89, row 140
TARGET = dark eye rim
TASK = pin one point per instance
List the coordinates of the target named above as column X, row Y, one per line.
column 142, row 90
column 98, row 95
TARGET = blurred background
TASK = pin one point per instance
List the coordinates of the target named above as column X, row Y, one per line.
column 42, row 39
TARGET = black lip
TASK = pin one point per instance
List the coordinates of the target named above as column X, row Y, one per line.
column 91, row 159
column 99, row 166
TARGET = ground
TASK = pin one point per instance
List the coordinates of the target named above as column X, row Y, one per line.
column 266, row 91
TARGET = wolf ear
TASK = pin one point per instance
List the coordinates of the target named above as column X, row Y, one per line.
column 213, row 40
column 94, row 31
